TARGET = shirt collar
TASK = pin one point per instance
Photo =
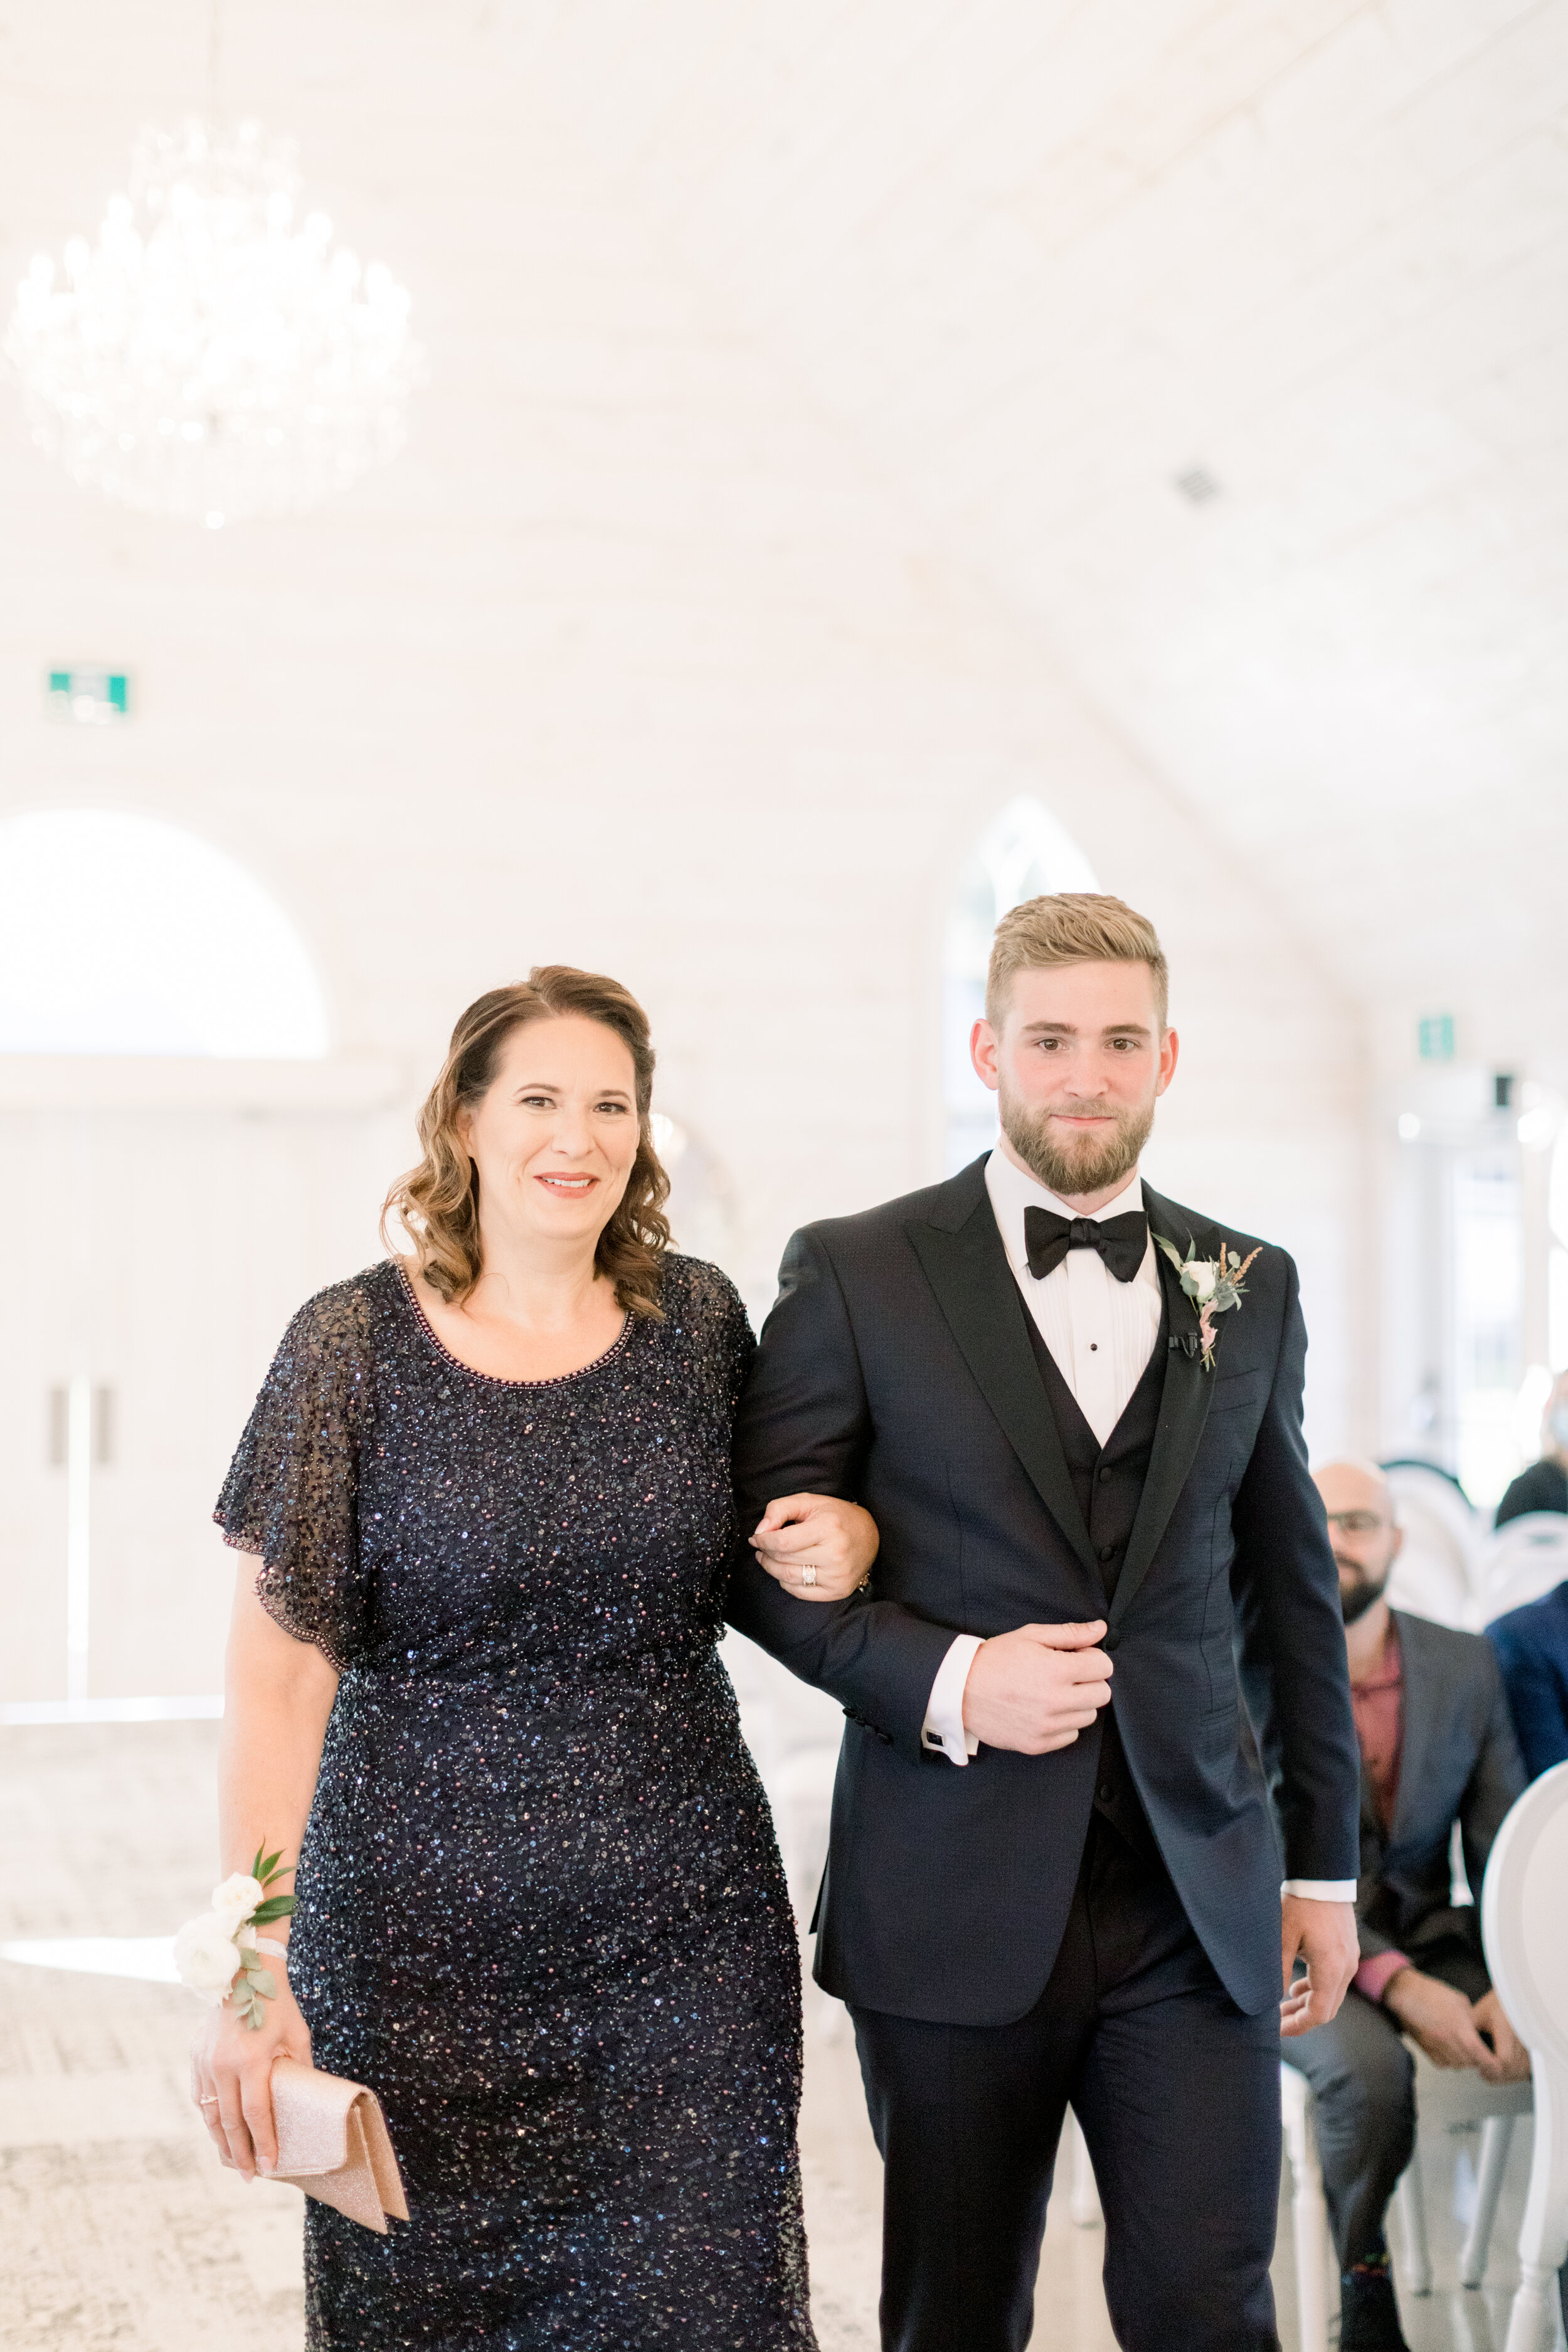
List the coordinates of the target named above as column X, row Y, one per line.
column 1389, row 1670
column 1012, row 1190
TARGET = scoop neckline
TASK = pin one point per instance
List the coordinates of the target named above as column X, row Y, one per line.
column 499, row 1380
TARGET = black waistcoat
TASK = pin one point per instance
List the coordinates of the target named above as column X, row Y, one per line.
column 1109, row 1483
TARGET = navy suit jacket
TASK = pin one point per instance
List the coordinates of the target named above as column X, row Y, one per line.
column 1531, row 1645
column 896, row 1368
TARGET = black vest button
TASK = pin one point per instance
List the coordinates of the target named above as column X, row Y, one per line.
column 1104, row 1473
column 1106, row 1793
column 1108, row 1551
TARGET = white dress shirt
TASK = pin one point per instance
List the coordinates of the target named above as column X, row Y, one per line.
column 1101, row 1334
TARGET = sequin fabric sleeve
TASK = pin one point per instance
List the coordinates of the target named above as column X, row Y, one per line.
column 716, row 1304
column 291, row 1492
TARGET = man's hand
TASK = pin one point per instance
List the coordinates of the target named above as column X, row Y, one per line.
column 1324, row 1935
column 1512, row 2057
column 1034, row 1689
column 1442, row 2023
column 1448, row 2028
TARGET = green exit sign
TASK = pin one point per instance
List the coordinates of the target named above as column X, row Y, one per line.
column 1435, row 1036
column 88, row 698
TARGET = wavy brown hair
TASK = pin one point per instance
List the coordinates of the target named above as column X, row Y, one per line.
column 437, row 1204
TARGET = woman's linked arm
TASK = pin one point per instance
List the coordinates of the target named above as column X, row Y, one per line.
column 803, row 1429
column 819, row 1547
column 278, row 1693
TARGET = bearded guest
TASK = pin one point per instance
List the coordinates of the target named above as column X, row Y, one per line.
column 1074, row 1409
column 1437, row 1748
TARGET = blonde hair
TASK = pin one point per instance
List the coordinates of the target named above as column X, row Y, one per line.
column 1071, row 927
column 437, row 1204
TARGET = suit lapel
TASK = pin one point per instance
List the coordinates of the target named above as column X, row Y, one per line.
column 1184, row 1410
column 1419, row 1711
column 967, row 1268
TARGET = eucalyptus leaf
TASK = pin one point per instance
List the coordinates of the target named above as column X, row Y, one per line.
column 263, row 1981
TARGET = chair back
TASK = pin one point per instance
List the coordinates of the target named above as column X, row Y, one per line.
column 1435, row 1574
column 1524, row 1916
column 1526, row 1559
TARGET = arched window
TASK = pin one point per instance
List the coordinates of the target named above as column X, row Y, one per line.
column 1022, row 853
column 124, row 935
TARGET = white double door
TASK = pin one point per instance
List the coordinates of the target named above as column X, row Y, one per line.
column 153, row 1258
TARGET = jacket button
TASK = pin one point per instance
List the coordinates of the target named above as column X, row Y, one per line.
column 1108, row 1551
column 1104, row 1473
column 1106, row 1793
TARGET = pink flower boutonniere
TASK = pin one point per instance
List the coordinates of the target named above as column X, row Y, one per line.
column 1213, row 1285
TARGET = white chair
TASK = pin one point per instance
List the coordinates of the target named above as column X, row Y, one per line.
column 1309, row 2214
column 1524, row 1927
column 1428, row 1581
column 1526, row 1559
column 1444, row 2100
column 1435, row 1574
column 1452, row 2100
column 1430, row 1493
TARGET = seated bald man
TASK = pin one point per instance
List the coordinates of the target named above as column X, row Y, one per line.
column 1438, row 1747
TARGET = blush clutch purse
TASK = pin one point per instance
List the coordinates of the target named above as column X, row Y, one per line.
column 333, row 2143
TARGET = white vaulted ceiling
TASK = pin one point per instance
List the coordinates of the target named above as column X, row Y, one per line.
column 1044, row 257
column 1029, row 262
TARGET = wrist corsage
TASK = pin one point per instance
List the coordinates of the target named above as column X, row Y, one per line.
column 220, row 1952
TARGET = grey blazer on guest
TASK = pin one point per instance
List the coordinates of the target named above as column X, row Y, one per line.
column 1459, row 1762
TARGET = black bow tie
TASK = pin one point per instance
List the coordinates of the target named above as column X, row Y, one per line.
column 1120, row 1241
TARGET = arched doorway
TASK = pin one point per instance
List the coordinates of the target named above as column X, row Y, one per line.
column 1023, row 854
column 180, row 1165
column 120, row 934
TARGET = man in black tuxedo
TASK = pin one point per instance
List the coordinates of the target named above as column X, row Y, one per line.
column 1055, row 1869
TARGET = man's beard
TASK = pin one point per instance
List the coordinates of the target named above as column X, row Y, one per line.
column 1080, row 1163
column 1357, row 1598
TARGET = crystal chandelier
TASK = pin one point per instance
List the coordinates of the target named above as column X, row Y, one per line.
column 214, row 356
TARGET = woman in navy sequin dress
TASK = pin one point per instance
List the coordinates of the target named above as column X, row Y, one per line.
column 541, row 1908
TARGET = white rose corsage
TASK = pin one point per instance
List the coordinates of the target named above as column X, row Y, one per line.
column 220, row 1952
column 1213, row 1285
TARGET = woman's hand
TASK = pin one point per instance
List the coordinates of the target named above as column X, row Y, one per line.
column 819, row 1547
column 231, row 2075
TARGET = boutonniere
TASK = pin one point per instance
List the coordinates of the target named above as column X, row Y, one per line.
column 1215, row 1285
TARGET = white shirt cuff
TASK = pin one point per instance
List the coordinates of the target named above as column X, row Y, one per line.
column 943, row 1726
column 1322, row 1890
